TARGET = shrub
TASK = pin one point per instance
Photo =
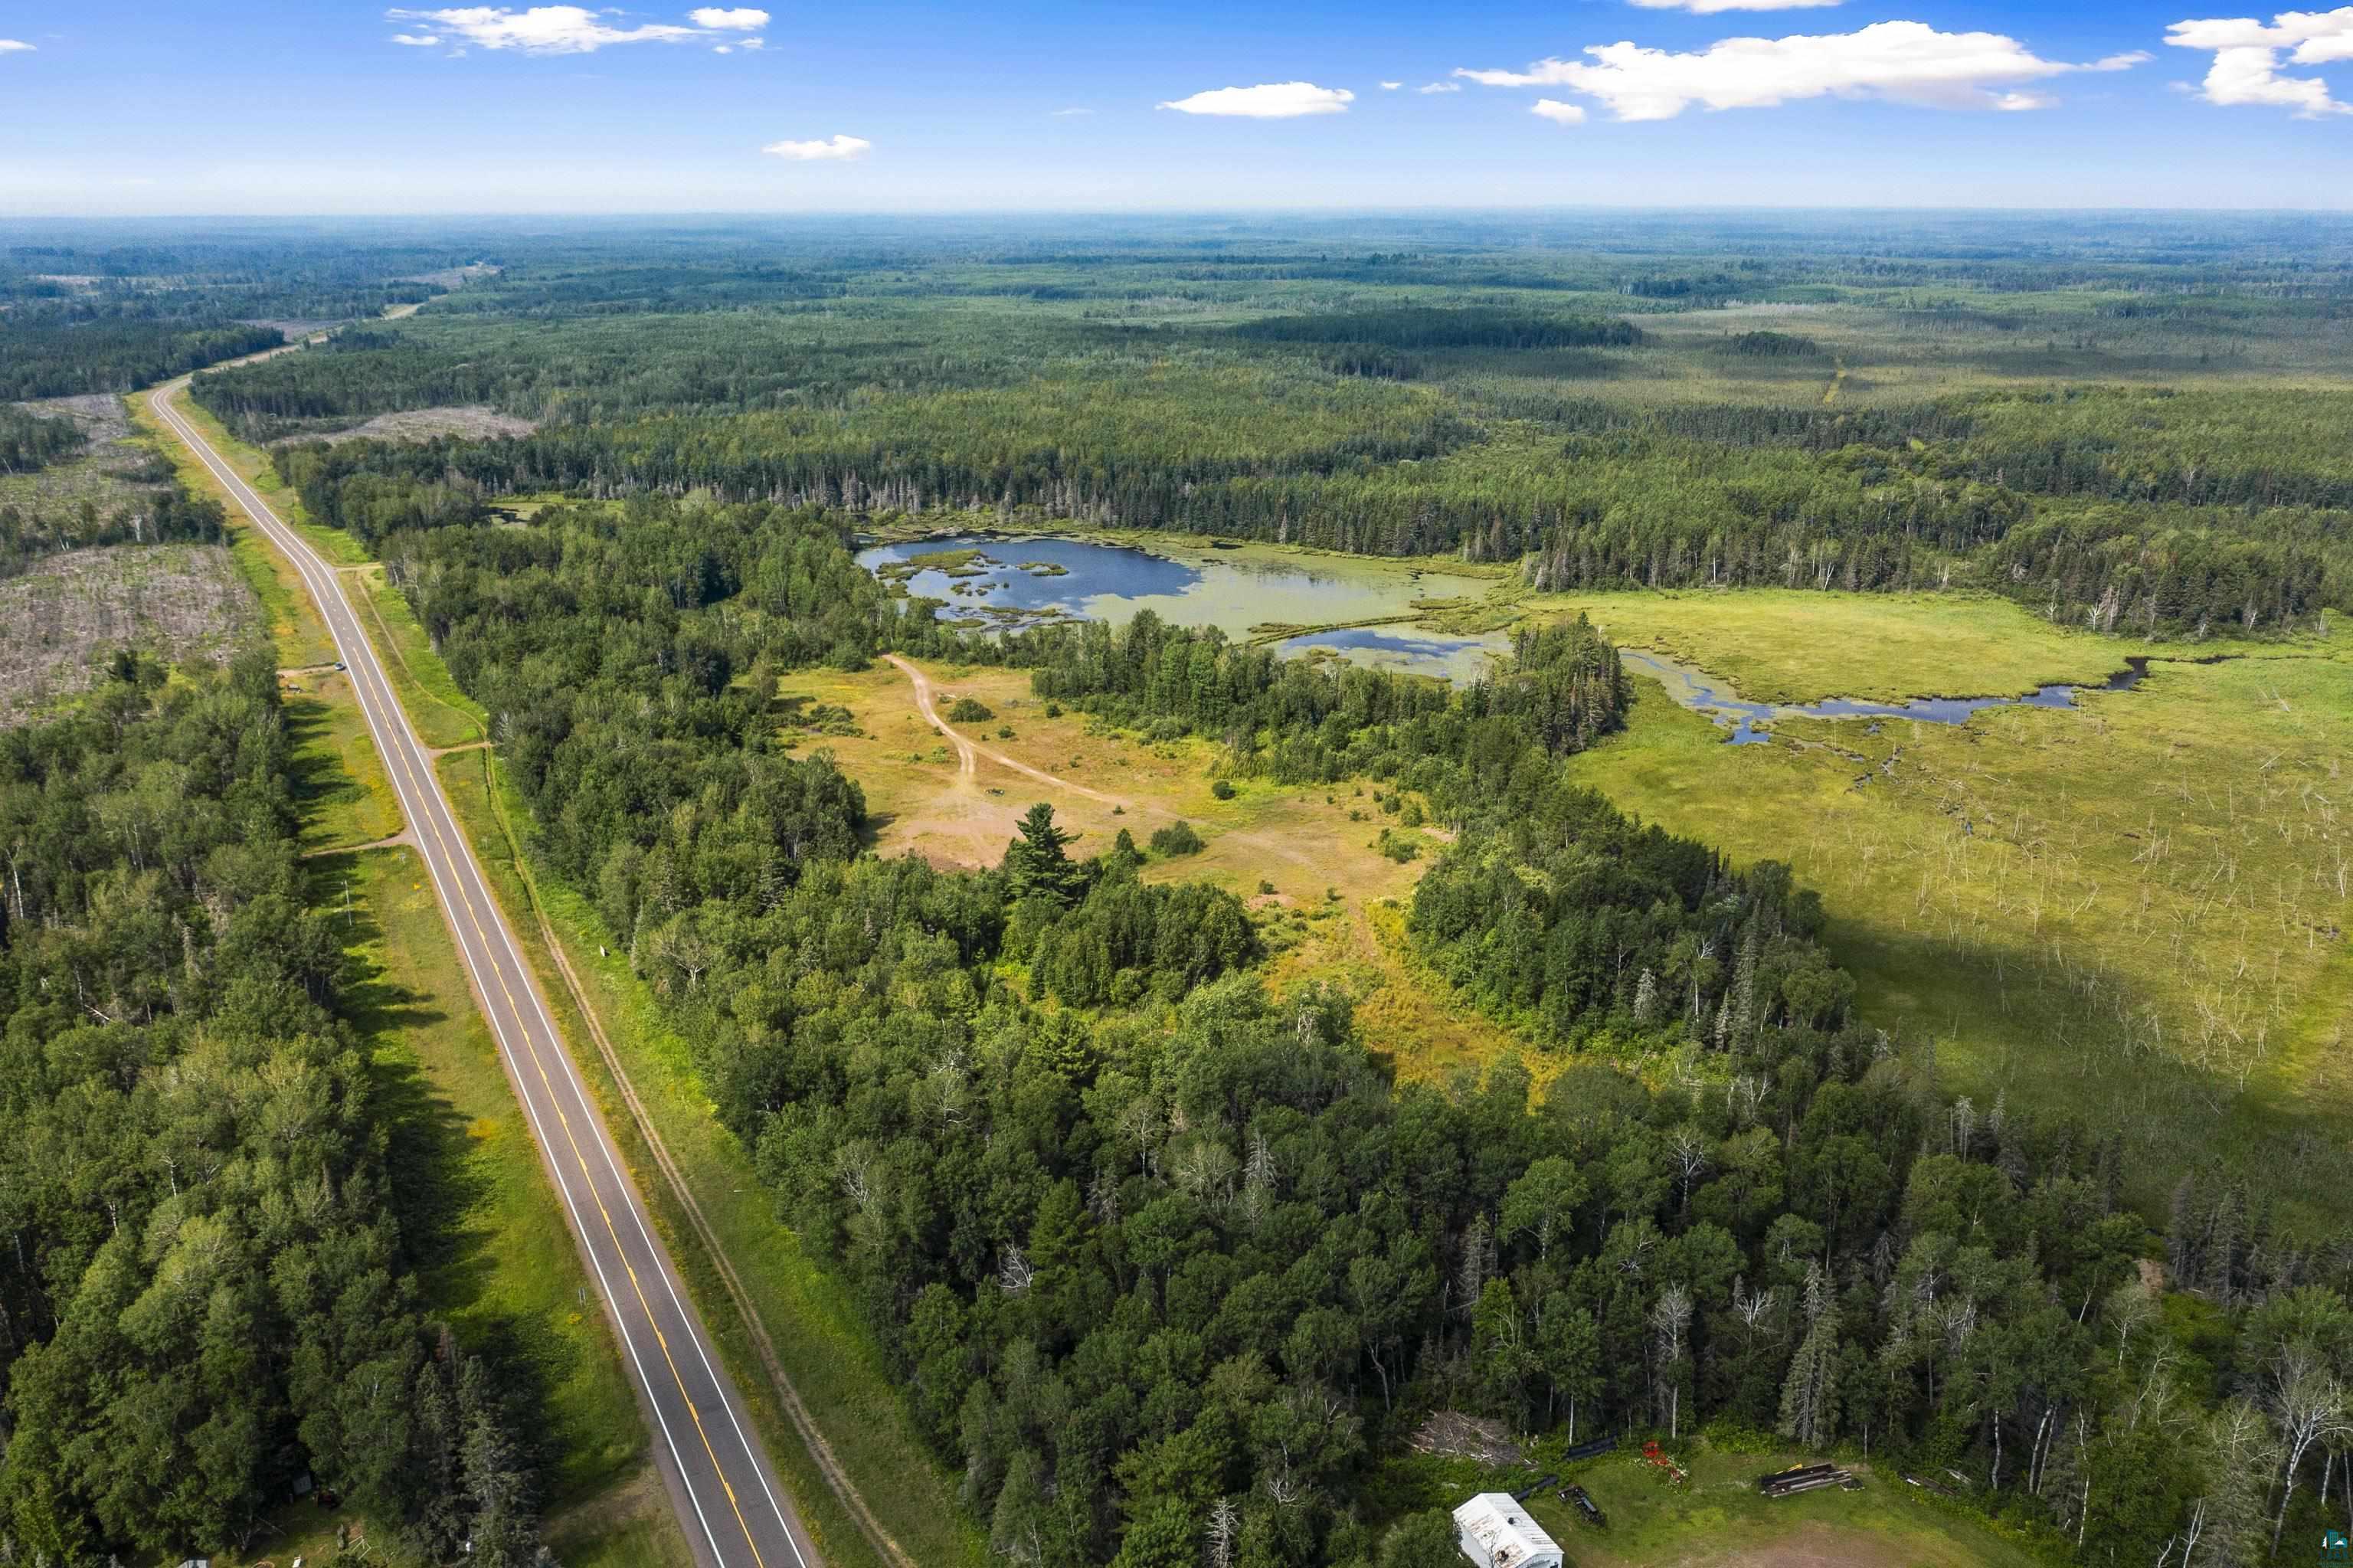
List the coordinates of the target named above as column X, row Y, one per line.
column 970, row 710
column 1265, row 886
column 1412, row 817
column 1178, row 838
column 1223, row 790
column 1053, row 710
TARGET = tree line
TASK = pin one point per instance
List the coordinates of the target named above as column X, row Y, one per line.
column 2105, row 542
column 1159, row 1254
column 62, row 352
column 154, row 516
column 29, row 440
column 206, row 1292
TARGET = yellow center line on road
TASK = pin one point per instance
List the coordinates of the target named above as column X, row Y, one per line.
column 372, row 698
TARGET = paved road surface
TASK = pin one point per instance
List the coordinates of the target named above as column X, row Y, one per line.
column 733, row 1511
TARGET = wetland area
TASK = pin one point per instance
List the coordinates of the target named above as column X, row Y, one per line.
column 2047, row 857
column 1308, row 604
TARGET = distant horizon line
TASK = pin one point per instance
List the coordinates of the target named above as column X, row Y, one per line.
column 1529, row 209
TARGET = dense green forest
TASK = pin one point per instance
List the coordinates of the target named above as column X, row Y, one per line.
column 1142, row 1237
column 207, row 1290
column 1147, row 1238
column 2079, row 440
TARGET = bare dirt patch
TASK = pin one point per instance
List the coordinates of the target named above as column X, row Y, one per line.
column 1457, row 1435
column 177, row 601
column 954, row 794
column 472, row 422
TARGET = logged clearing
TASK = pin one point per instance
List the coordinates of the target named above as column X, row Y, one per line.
column 1336, row 909
column 471, row 422
column 112, row 473
column 179, row 602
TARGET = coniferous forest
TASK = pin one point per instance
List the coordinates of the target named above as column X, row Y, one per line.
column 1146, row 1230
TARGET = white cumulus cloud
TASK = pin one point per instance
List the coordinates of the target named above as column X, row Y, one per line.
column 836, row 146
column 1559, row 113
column 1899, row 62
column 1391, row 86
column 569, row 29
column 14, row 47
column 2246, row 68
column 1267, row 100
column 1440, row 87
column 415, row 40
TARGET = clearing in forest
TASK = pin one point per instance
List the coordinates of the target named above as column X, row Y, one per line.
column 1336, row 911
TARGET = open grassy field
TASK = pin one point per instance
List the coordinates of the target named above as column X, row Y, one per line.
column 2135, row 909
column 1717, row 1518
column 1780, row 645
column 1336, row 911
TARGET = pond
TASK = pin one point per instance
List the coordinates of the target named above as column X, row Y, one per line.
column 1017, row 581
column 1704, row 692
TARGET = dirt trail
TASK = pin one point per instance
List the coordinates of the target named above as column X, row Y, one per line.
column 969, row 752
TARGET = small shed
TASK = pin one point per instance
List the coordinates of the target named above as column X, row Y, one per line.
column 1495, row 1532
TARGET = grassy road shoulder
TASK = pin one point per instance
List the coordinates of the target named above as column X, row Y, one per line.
column 832, row 1363
column 500, row 1267
column 503, row 1272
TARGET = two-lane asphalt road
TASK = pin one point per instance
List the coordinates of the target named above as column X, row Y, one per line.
column 729, row 1501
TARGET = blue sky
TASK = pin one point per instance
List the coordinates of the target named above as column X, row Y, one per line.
column 275, row 107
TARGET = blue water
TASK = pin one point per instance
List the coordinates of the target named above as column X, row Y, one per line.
column 1235, row 592
column 1414, row 652
column 1699, row 691
column 1094, row 571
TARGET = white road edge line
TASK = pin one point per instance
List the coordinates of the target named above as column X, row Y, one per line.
column 329, row 598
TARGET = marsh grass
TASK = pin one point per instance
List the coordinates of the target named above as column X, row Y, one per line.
column 2133, row 910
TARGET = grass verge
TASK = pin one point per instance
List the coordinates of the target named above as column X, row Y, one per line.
column 444, row 716
column 340, row 786
column 831, row 1360
column 498, row 1262
column 502, row 1269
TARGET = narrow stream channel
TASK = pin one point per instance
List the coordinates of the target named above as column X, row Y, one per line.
column 1704, row 692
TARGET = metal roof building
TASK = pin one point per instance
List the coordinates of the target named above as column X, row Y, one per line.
column 1494, row 1532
